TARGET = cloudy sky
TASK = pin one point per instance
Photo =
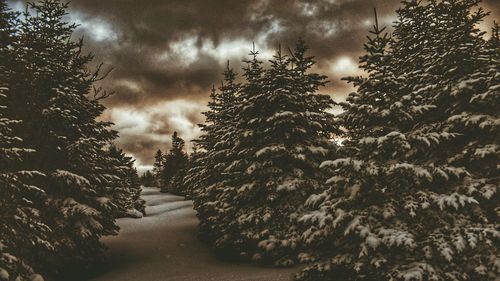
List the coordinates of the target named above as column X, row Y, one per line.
column 166, row 54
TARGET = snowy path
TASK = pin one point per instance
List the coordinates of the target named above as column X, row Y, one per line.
column 163, row 246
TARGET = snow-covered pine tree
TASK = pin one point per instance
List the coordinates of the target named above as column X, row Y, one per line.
column 483, row 155
column 475, row 118
column 401, row 205
column 192, row 164
column 51, row 82
column 462, row 68
column 282, row 135
column 22, row 230
column 158, row 168
column 127, row 189
column 174, row 167
column 196, row 179
column 207, row 178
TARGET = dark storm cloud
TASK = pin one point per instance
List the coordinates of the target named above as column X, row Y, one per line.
column 331, row 28
column 167, row 53
column 147, row 29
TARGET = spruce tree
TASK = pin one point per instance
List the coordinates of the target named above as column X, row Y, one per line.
column 192, row 163
column 51, row 85
column 174, row 167
column 23, row 230
column 21, row 227
column 207, row 176
column 158, row 168
column 127, row 190
column 475, row 119
column 406, row 201
column 278, row 139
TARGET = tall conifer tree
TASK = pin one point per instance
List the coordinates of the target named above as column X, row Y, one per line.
column 278, row 140
column 50, row 85
column 22, row 230
column 404, row 203
column 207, row 176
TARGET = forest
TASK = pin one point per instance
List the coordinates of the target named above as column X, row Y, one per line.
column 402, row 185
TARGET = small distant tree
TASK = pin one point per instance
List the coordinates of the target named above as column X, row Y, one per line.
column 174, row 167
column 158, row 168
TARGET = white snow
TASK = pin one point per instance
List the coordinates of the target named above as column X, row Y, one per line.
column 489, row 149
column 36, row 277
column 395, row 237
column 164, row 246
column 289, row 184
column 4, row 275
column 418, row 171
column 356, row 164
column 372, row 241
column 268, row 149
column 318, row 150
column 133, row 213
column 280, row 115
column 454, row 200
column 71, row 178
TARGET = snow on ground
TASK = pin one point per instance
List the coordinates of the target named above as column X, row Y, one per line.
column 163, row 246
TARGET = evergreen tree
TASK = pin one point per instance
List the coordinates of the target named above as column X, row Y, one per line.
column 207, row 178
column 285, row 133
column 192, row 180
column 197, row 175
column 127, row 189
column 474, row 118
column 406, row 201
column 22, row 230
column 192, row 163
column 277, row 136
column 174, row 167
column 158, row 168
column 50, row 85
